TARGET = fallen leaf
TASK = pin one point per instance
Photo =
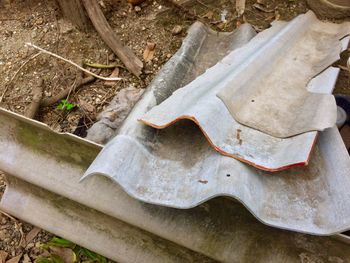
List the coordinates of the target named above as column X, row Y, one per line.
column 209, row 15
column 3, row 256
column 114, row 74
column 203, row 181
column 240, row 7
column 86, row 106
column 66, row 254
column 148, row 54
column 31, row 235
column 14, row 259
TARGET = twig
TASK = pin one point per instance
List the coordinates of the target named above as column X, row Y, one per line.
column 343, row 68
column 102, row 66
column 34, row 106
column 16, row 73
column 70, row 62
column 9, row 216
column 49, row 101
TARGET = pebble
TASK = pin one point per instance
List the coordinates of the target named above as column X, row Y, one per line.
column 176, row 30
column 111, row 57
column 137, row 9
column 2, row 234
column 39, row 21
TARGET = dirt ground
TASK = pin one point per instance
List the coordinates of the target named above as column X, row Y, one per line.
column 41, row 23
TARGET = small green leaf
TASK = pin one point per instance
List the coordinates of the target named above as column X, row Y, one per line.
column 94, row 256
column 70, row 106
column 60, row 242
column 65, row 105
column 56, row 258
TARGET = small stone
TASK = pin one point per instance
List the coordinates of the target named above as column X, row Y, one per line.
column 30, row 245
column 2, row 234
column 176, row 30
column 137, row 9
column 111, row 57
column 39, row 21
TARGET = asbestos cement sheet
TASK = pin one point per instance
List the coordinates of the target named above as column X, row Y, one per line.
column 266, row 91
column 43, row 169
column 199, row 103
column 176, row 166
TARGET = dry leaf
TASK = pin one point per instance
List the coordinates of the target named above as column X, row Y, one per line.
column 148, row 54
column 66, row 254
column 31, row 235
column 3, row 256
column 86, row 106
column 240, row 7
column 14, row 259
column 114, row 74
column 209, row 15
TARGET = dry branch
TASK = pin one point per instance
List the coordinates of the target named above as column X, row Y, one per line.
column 74, row 12
column 34, row 106
column 63, row 94
column 131, row 61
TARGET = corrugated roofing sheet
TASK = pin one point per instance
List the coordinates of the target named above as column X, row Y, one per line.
column 242, row 72
column 176, row 167
column 271, row 95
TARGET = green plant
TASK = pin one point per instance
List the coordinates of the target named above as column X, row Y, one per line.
column 64, row 251
column 65, row 105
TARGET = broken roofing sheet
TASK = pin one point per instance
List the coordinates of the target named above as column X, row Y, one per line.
column 266, row 91
column 176, row 167
column 198, row 100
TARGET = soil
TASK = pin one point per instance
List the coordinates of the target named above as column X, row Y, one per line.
column 154, row 21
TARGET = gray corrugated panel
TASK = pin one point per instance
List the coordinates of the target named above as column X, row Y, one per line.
column 87, row 227
column 271, row 95
column 176, row 167
column 198, row 100
column 220, row 228
column 35, row 154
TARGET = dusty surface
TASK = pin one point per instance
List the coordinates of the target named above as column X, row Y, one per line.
column 41, row 23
